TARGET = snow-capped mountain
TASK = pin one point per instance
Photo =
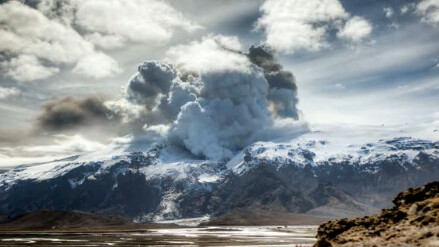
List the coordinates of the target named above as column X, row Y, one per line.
column 335, row 172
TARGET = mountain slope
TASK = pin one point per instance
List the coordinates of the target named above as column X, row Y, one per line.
column 323, row 173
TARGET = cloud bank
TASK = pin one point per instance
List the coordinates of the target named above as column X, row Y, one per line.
column 141, row 21
column 37, row 38
column 35, row 45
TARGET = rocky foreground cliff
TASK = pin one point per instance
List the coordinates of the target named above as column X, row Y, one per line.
column 413, row 221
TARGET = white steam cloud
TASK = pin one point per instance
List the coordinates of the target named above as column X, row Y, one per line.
column 214, row 100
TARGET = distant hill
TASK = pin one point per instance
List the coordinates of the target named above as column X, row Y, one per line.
column 63, row 219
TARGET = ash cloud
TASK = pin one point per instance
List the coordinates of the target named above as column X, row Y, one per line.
column 283, row 89
column 70, row 113
column 230, row 109
column 160, row 92
column 66, row 126
column 213, row 110
column 153, row 79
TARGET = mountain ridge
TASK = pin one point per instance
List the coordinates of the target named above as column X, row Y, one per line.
column 311, row 174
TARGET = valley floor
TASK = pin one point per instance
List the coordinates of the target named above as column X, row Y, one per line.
column 197, row 236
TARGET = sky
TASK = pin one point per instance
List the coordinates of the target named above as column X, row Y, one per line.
column 354, row 62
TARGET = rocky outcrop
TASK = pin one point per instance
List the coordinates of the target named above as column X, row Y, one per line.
column 413, row 221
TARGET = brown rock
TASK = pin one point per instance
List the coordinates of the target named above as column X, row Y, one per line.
column 414, row 221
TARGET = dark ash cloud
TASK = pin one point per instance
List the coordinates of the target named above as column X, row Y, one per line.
column 282, row 84
column 64, row 119
column 70, row 113
column 152, row 80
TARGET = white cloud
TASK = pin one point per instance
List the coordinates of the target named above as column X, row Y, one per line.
column 120, row 21
column 429, row 10
column 105, row 41
column 27, row 68
column 67, row 144
column 47, row 37
column 388, row 11
column 27, row 31
column 292, row 25
column 356, row 29
column 340, row 86
column 97, row 65
column 61, row 147
column 142, row 21
column 404, row 9
column 407, row 8
column 212, row 53
column 35, row 44
column 371, row 76
column 6, row 92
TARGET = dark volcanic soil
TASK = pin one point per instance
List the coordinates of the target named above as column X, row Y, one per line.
column 413, row 221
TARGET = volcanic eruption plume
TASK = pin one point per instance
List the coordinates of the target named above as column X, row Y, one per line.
column 214, row 100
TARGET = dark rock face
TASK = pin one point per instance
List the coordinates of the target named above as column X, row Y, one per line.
column 290, row 189
column 137, row 186
column 123, row 188
column 413, row 221
column 132, row 195
column 390, row 176
column 301, row 189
